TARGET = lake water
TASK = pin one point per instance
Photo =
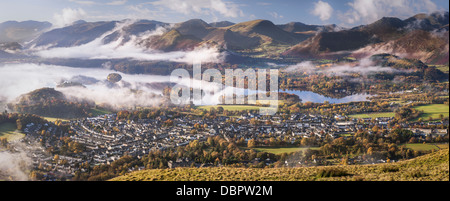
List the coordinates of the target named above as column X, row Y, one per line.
column 318, row 98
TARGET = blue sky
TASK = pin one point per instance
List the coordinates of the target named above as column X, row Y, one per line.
column 346, row 13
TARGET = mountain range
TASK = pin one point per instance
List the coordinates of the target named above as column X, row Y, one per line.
column 13, row 31
column 423, row 36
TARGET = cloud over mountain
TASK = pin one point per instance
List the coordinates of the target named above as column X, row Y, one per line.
column 68, row 16
column 208, row 7
column 368, row 11
column 323, row 10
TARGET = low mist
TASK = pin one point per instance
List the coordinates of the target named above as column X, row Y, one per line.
column 14, row 166
column 92, row 85
column 130, row 49
column 15, row 163
column 364, row 67
column 18, row 79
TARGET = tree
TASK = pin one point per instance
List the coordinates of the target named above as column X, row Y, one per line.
column 375, row 129
column 210, row 141
column 344, row 161
column 251, row 143
column 433, row 74
column 412, row 140
column 370, row 151
column 272, row 141
column 3, row 142
column 304, row 142
column 197, row 126
column 220, row 110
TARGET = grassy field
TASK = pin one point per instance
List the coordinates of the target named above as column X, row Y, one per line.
column 93, row 111
column 53, row 119
column 280, row 150
column 430, row 167
column 433, row 111
column 99, row 111
column 9, row 131
column 373, row 115
column 422, row 147
column 442, row 146
column 443, row 68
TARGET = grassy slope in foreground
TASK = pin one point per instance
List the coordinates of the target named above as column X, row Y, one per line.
column 430, row 167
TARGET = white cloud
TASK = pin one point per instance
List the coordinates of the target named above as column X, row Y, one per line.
column 68, row 16
column 427, row 5
column 139, row 9
column 368, row 11
column 207, row 7
column 117, row 3
column 83, row 2
column 275, row 15
column 252, row 17
column 323, row 10
column 89, row 3
column 365, row 67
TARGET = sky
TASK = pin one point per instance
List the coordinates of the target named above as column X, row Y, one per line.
column 346, row 13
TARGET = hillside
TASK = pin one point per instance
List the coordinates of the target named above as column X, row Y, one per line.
column 258, row 37
column 221, row 24
column 13, row 31
column 422, row 36
column 74, row 35
column 134, row 29
column 326, row 42
column 430, row 167
column 50, row 103
column 298, row 27
column 172, row 41
column 429, row 47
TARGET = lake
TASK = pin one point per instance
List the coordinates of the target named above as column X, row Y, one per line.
column 318, row 98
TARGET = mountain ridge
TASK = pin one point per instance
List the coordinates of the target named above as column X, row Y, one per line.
column 422, row 36
column 383, row 35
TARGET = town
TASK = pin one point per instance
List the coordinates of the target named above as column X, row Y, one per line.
column 104, row 139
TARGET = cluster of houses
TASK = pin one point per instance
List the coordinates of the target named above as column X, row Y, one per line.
column 39, row 138
column 107, row 139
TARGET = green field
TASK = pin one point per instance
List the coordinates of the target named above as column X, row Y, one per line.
column 99, row 111
column 433, row 111
column 53, row 119
column 95, row 112
column 280, row 150
column 9, row 131
column 373, row 115
column 443, row 68
column 422, row 147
